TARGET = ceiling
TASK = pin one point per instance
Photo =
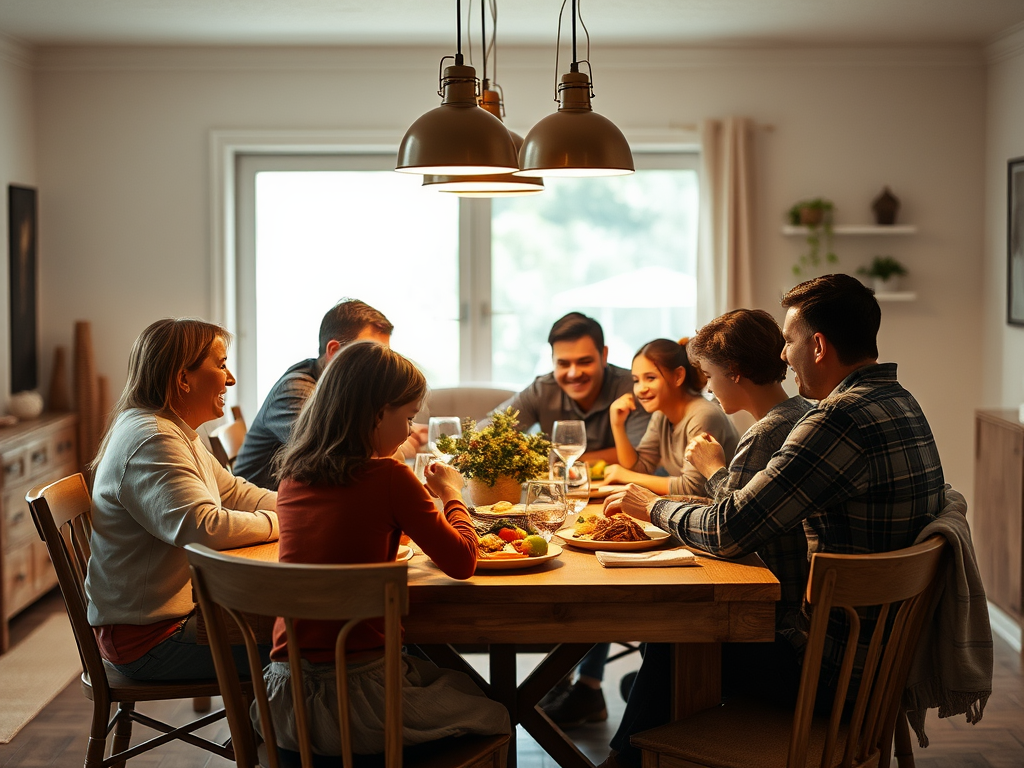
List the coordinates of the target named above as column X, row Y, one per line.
column 432, row 22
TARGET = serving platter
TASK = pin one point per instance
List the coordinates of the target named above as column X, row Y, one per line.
column 657, row 537
column 518, row 563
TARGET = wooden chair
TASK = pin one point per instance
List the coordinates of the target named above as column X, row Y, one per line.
column 229, row 586
column 62, row 514
column 743, row 733
column 226, row 441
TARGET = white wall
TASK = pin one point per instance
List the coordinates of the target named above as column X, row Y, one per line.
column 17, row 166
column 1003, row 358
column 123, row 140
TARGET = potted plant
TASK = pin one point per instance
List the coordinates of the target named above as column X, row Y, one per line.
column 886, row 272
column 816, row 215
column 497, row 459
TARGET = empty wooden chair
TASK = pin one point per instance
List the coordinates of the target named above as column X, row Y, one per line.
column 62, row 514
column 744, row 733
column 229, row 586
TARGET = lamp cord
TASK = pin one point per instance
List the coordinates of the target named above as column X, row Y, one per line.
column 458, row 33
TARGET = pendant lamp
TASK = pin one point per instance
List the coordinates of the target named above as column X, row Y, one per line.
column 575, row 141
column 491, row 185
column 458, row 137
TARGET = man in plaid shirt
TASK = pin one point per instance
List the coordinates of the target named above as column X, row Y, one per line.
column 860, row 471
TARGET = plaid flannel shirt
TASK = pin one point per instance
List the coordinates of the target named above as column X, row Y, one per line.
column 860, row 470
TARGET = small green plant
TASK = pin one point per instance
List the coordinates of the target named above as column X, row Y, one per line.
column 497, row 449
column 883, row 267
column 816, row 215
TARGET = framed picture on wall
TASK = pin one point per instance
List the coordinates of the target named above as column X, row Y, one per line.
column 21, row 220
column 1015, row 243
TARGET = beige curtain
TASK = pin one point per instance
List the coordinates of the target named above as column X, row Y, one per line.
column 725, row 231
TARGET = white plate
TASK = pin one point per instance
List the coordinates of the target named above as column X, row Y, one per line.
column 600, row 491
column 657, row 536
column 404, row 553
column 523, row 562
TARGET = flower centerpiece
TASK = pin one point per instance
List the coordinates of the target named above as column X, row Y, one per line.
column 497, row 459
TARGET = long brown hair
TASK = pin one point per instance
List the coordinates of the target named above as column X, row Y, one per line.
column 667, row 355
column 333, row 435
column 161, row 352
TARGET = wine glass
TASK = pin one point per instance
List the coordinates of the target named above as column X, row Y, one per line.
column 577, row 484
column 442, row 425
column 545, row 505
column 569, row 441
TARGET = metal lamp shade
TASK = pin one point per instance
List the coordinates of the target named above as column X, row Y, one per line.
column 458, row 137
column 575, row 140
column 496, row 185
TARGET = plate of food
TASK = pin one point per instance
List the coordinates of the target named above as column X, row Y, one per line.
column 618, row 533
column 404, row 553
column 507, row 546
column 504, row 561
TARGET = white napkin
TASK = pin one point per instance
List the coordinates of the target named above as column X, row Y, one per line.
column 661, row 558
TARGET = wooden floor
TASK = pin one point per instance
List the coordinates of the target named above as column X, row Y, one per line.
column 57, row 737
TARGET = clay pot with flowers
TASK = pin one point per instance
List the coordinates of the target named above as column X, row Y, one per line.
column 497, row 459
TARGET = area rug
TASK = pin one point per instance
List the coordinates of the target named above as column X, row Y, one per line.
column 34, row 671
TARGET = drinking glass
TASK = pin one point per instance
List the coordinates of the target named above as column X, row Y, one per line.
column 423, row 460
column 569, row 442
column 442, row 425
column 577, row 485
column 545, row 505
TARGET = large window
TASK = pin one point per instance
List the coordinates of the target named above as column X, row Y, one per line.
column 472, row 286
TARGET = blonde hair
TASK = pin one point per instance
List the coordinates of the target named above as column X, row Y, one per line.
column 333, row 435
column 161, row 352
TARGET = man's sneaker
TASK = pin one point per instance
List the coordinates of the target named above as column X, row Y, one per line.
column 582, row 704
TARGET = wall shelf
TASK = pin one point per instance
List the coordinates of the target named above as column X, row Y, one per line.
column 858, row 229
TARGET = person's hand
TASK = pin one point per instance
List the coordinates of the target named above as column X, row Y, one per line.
column 619, row 410
column 615, row 474
column 633, row 501
column 442, row 480
column 706, row 454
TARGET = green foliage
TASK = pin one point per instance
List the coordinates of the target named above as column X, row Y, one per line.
column 497, row 449
column 883, row 267
column 818, row 232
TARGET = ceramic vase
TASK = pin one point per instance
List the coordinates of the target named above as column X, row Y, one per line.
column 889, row 285
column 60, row 400
column 505, row 488
column 886, row 206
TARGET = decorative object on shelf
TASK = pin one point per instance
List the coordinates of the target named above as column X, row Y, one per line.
column 22, row 271
column 816, row 215
column 886, row 206
column 886, row 272
column 60, row 400
column 457, row 137
column 85, row 394
column 1015, row 242
column 26, row 405
column 491, row 99
column 497, row 451
column 575, row 140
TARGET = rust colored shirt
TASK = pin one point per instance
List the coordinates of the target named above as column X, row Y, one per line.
column 362, row 523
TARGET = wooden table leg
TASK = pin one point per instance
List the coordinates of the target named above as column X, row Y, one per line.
column 503, row 688
column 697, row 668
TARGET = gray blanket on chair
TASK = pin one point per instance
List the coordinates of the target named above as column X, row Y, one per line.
column 952, row 666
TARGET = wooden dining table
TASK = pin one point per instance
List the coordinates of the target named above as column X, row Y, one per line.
column 568, row 604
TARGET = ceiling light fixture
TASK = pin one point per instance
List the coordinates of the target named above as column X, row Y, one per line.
column 492, row 185
column 458, row 137
column 575, row 140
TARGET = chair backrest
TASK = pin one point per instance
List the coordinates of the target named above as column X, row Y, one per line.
column 236, row 412
column 62, row 513
column 229, row 586
column 226, row 442
column 466, row 402
column 901, row 581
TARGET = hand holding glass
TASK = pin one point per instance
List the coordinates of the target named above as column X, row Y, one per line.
column 442, row 425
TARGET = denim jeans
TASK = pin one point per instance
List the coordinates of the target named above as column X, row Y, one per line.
column 180, row 657
column 593, row 663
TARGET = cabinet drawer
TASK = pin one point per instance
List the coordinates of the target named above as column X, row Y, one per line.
column 19, row 584
column 64, row 447
column 17, row 519
column 15, row 467
column 45, row 578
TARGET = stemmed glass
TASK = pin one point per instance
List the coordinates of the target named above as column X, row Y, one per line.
column 442, row 425
column 569, row 442
column 576, row 481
